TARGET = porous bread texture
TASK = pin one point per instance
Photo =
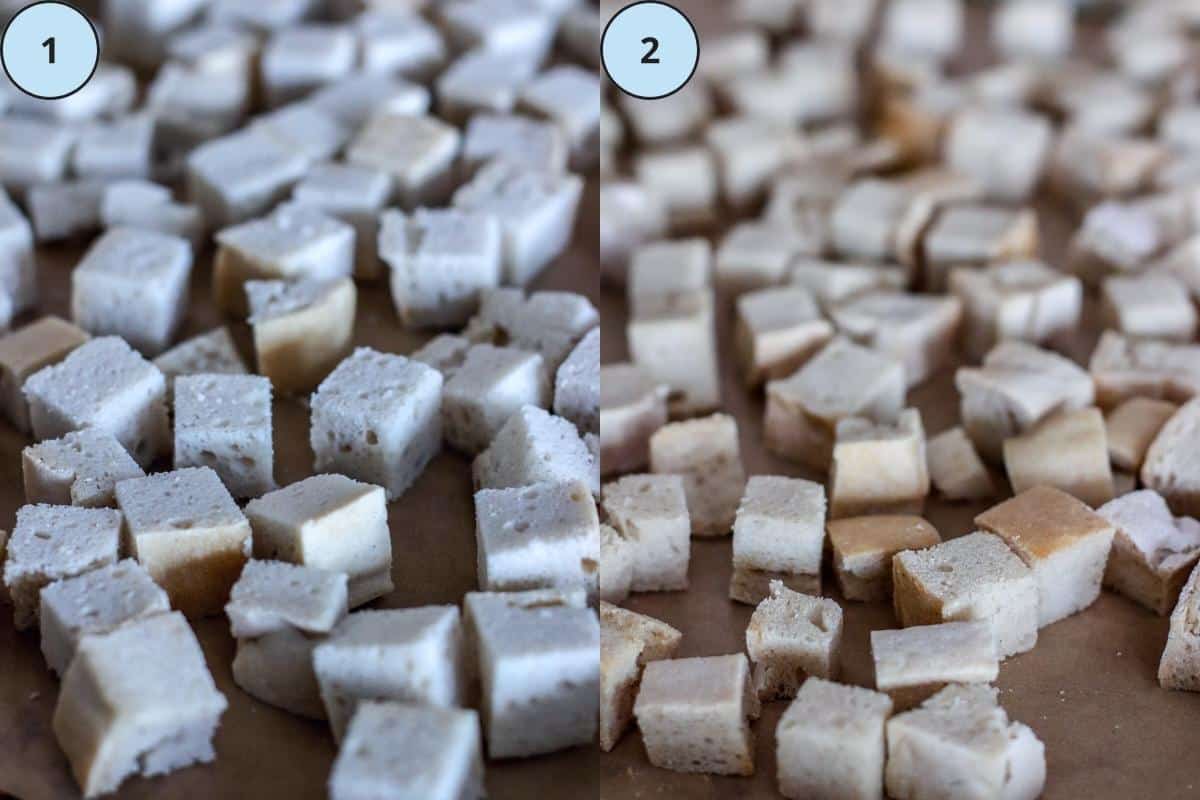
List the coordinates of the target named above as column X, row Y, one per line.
column 913, row 663
column 790, row 636
column 863, row 548
column 535, row 446
column 779, row 529
column 628, row 641
column 81, row 468
column 650, row 512
column 706, row 454
column 1172, row 463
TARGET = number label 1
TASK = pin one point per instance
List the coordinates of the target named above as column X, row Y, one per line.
column 649, row 58
column 49, row 45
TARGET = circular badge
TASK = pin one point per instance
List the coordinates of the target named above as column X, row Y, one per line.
column 649, row 49
column 49, row 50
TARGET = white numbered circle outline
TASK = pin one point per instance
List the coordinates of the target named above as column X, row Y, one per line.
column 49, row 50
column 650, row 49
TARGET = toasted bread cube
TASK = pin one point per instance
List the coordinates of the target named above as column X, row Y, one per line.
column 1017, row 387
column 411, row 655
column 299, row 59
column 1132, row 426
column 294, row 242
column 879, row 467
column 830, row 742
column 1069, row 451
column 955, row 468
column 271, row 596
column 976, row 234
column 577, row 384
column 242, row 175
column 911, row 664
column 790, row 636
column 651, row 512
column 632, row 407
column 64, row 209
column 1179, row 667
column 863, row 548
column 1005, row 150
column 1168, row 465
column 973, row 577
column 755, row 255
column 694, row 714
column 685, row 180
column 917, row 330
column 50, row 543
column 224, row 422
column 189, row 534
column 778, row 533
column 79, row 469
column 1038, row 29
column 356, row 195
column 212, row 353
column 145, row 205
column 513, row 137
column 444, row 352
column 139, row 699
column 539, row 669
column 705, row 453
column 94, row 602
column 628, row 641
column 26, row 351
column 1124, row 368
column 1154, row 305
column 1153, row 550
column 1063, row 542
column 328, row 522
column 778, row 330
column 1023, row 300
column 103, row 384
column 302, row 329
column 960, row 743
column 667, row 325
column 803, row 412
column 617, row 555
column 532, row 447
column 490, row 385
column 409, row 752
column 547, row 323
column 440, row 260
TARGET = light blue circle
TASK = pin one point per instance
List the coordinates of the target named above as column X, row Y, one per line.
column 626, row 49
column 27, row 57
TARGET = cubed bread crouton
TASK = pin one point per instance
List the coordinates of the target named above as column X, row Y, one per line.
column 26, row 351
column 911, row 664
column 1169, row 466
column 685, row 180
column 628, row 641
column 617, row 554
column 879, row 468
column 224, row 422
column 651, row 512
column 79, row 469
column 632, row 407
column 917, row 330
column 302, row 329
column 666, row 325
column 1068, row 450
column 1155, row 305
column 955, row 468
column 547, row 323
column 1123, row 368
column 535, row 446
column 705, row 452
column 778, row 329
column 1004, row 149
column 1179, row 667
column 577, row 384
column 755, row 255
column 211, row 353
column 790, row 636
column 489, row 386
column 974, row 235
column 667, row 267
column 1153, row 550
column 863, row 548
column 1132, row 426
column 778, row 535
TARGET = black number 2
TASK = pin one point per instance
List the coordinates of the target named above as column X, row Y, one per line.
column 49, row 45
column 650, row 58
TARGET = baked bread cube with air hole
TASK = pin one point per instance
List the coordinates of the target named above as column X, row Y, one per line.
column 1153, row 550
column 863, row 548
column 489, row 386
column 298, row 59
column 791, row 636
column 628, row 641
column 532, row 143
column 1068, row 450
column 917, row 330
column 650, row 512
column 242, row 175
column 417, row 151
column 534, row 446
column 357, row 196
column 778, row 330
column 224, row 422
column 547, row 323
column 1124, row 368
column 211, row 353
column 955, row 469
column 81, row 468
column 778, row 535
column 706, row 454
column 26, row 351
column 912, row 664
column 1132, row 426
column 302, row 329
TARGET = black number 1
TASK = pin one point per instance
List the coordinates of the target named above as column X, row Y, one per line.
column 649, row 58
column 49, row 45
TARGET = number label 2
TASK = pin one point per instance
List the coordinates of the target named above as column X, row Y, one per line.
column 49, row 45
column 650, row 58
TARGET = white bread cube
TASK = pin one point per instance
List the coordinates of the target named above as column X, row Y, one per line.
column 409, row 752
column 833, row 282
column 189, row 534
column 1179, row 667
column 513, row 137
column 302, row 329
column 211, row 353
column 1153, row 550
column 1036, row 29
column 1087, row 166
column 967, row 235
column 64, row 209
column 955, row 469
column 755, row 255
column 617, row 555
column 632, row 407
column 482, row 80
column 790, row 636
column 328, row 522
column 705, row 452
column 779, row 532
column 444, row 352
column 911, row 664
column 103, row 384
column 79, row 469
column 684, row 179
column 628, row 641
column 1063, row 542
column 276, row 668
column 863, row 548
column 126, row 262
column 866, row 218
column 694, row 714
column 630, row 214
column 651, row 512
column 224, row 422
column 94, row 602
column 411, row 655
column 1114, row 238
column 1123, row 368
column 34, row 151
column 778, row 330
column 214, row 47
column 121, row 148
column 191, row 106
column 830, row 742
column 271, row 596
column 675, row 117
column 18, row 270
column 297, row 60
column 440, row 261
column 141, row 204
column 240, row 176
column 972, row 577
column 355, row 195
column 489, row 386
column 418, row 152
column 750, row 151
column 395, row 41
column 138, row 700
column 1153, row 306
column 923, row 28
column 294, row 242
column 669, row 324
column 1169, row 464
column 1068, row 450
column 878, row 467
column 303, row 127
column 26, row 351
column 390, row 436
column 917, row 330
column 1132, row 426
column 1017, row 386
column 354, row 99
column 667, row 267
column 499, row 25
column 49, row 543
column 811, row 82
column 535, row 446
column 1004, row 149
column 539, row 671
column 731, row 53
column 1024, row 300
column 577, row 384
column 547, row 323
column 960, row 744
column 568, row 96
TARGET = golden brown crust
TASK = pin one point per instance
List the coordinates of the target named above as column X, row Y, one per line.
column 1041, row 521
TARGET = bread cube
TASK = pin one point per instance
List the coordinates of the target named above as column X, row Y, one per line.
column 960, row 743
column 728, row 54
column 516, row 138
column 577, row 384
column 409, row 752
column 440, row 260
column 141, row 204
column 684, row 179
column 694, row 714
column 35, row 151
column 1023, row 300
column 302, row 329
column 667, row 325
column 139, row 699
column 1004, row 149
column 651, row 512
column 240, row 176
column 1064, row 543
column 482, row 80
column 1017, row 387
column 26, row 351
column 224, row 422
column 1087, row 166
column 64, row 209
column 417, row 151
column 297, row 60
column 1114, row 238
column 628, row 641
column 1132, row 426
column 94, row 602
column 617, row 555
column 214, row 47
column 755, row 255
column 923, row 28
column 500, row 25
column 833, row 282
column 568, row 96
column 749, row 151
column 354, row 99
column 294, row 242
column 955, row 468
column 547, row 323
column 1067, row 450
column 917, row 330
column 79, row 469
column 1179, row 667
column 193, row 105
column 1155, row 305
column 777, row 331
column 911, row 664
column 121, row 148
column 632, row 407
column 355, row 195
column 212, row 353
column 50, row 543
column 1153, row 550
column 830, row 742
column 535, row 446
column 489, row 386
column 778, row 535
column 879, row 468
column 1123, row 368
column 866, row 217
column 304, row 127
column 1033, row 28
column 1168, row 468
column 790, row 636
column 271, row 596
column 802, row 412
column 18, row 271
column 393, row 41
column 974, row 235
column 705, row 453
column 103, row 384
column 863, row 548
column 667, row 267
column 539, row 672
column 276, row 668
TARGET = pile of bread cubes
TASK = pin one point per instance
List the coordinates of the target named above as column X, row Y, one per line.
column 860, row 206
column 438, row 152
